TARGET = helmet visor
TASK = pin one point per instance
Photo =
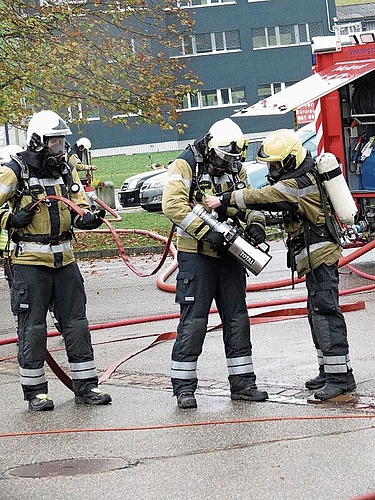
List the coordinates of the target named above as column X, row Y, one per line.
column 228, row 153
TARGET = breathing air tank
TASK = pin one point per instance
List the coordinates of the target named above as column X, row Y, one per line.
column 336, row 187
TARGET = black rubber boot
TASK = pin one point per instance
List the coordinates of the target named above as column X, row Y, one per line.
column 250, row 393
column 333, row 389
column 186, row 400
column 317, row 382
column 41, row 402
column 94, row 397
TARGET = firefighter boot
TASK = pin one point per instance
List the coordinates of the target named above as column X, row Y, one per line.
column 317, row 382
column 41, row 402
column 94, row 397
column 186, row 400
column 250, row 393
column 334, row 388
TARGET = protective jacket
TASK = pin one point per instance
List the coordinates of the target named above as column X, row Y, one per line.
column 188, row 182
column 47, row 240
column 204, row 275
column 296, row 193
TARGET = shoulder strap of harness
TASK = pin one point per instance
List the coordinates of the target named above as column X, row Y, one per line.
column 23, row 180
column 195, row 159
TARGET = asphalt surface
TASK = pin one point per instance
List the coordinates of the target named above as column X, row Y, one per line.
column 142, row 446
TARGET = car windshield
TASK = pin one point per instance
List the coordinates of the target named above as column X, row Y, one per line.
column 252, row 150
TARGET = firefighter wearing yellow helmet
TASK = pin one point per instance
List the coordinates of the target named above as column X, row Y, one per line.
column 41, row 264
column 314, row 248
column 206, row 270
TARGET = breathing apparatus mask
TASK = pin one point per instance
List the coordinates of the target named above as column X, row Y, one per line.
column 219, row 161
column 224, row 143
column 50, row 154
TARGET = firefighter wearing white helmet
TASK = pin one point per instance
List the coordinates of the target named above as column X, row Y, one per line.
column 41, row 262
column 314, row 248
column 206, row 270
column 80, row 156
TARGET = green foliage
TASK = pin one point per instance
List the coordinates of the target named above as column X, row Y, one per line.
column 98, row 55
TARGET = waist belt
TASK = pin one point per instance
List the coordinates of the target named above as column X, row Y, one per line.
column 316, row 234
column 44, row 239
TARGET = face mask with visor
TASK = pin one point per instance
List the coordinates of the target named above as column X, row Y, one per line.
column 55, row 150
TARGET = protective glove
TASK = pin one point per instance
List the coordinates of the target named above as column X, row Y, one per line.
column 89, row 220
column 215, row 239
column 225, row 199
column 256, row 233
column 22, row 218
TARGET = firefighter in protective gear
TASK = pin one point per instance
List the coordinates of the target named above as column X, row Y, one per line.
column 313, row 249
column 5, row 157
column 79, row 157
column 206, row 271
column 43, row 268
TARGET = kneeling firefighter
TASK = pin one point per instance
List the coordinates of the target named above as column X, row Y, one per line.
column 314, row 248
column 41, row 264
column 206, row 270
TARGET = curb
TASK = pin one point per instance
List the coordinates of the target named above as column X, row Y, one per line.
column 113, row 252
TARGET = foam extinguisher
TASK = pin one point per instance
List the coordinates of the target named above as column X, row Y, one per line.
column 251, row 257
column 336, row 188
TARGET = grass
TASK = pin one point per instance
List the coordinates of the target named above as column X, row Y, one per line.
column 340, row 3
column 117, row 168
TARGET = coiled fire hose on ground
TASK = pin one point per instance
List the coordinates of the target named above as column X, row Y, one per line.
column 169, row 248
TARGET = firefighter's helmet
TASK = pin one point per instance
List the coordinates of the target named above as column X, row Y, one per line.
column 83, row 143
column 43, row 125
column 226, row 139
column 283, row 146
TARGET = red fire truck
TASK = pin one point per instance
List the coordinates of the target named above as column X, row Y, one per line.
column 342, row 88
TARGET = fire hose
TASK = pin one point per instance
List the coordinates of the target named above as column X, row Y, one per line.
column 162, row 285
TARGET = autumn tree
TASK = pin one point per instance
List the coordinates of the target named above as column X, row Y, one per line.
column 87, row 55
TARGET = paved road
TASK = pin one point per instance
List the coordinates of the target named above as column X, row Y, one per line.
column 143, row 447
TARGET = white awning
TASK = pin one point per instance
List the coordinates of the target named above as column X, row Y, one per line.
column 310, row 89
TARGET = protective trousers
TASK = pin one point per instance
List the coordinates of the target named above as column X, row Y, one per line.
column 328, row 325
column 33, row 289
column 200, row 280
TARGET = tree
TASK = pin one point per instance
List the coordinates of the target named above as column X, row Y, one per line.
column 84, row 56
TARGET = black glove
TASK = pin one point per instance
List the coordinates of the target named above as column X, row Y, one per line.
column 225, row 199
column 215, row 239
column 89, row 220
column 256, row 233
column 22, row 218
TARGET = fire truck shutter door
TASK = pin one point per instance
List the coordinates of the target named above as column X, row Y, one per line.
column 310, row 89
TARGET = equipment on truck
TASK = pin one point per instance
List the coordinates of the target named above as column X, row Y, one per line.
column 341, row 87
column 251, row 257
